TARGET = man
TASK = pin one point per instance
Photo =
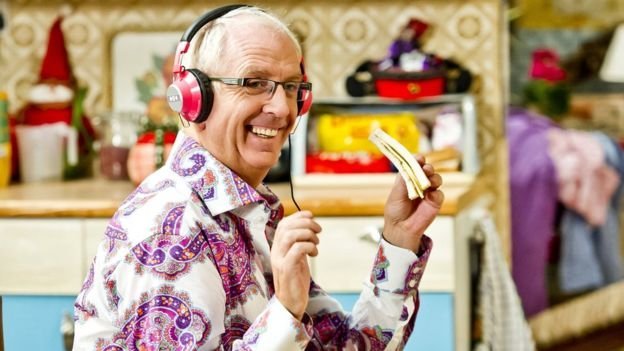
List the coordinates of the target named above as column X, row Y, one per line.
column 199, row 257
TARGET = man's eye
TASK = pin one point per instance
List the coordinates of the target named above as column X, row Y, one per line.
column 257, row 83
column 291, row 87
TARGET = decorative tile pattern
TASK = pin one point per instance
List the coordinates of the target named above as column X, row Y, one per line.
column 336, row 35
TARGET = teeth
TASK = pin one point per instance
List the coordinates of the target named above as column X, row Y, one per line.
column 264, row 132
column 415, row 178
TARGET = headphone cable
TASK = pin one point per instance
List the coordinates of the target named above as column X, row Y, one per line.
column 292, row 193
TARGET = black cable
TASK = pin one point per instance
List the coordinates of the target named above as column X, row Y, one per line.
column 292, row 193
column 315, row 339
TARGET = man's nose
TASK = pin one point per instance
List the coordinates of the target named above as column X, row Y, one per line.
column 279, row 103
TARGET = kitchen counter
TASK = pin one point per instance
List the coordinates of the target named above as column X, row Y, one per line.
column 324, row 195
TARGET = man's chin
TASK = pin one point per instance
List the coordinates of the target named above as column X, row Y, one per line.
column 264, row 163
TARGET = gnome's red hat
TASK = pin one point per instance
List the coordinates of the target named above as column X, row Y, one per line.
column 419, row 27
column 55, row 67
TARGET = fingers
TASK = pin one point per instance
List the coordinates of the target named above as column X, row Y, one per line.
column 299, row 227
column 298, row 252
column 435, row 197
column 300, row 219
column 434, row 178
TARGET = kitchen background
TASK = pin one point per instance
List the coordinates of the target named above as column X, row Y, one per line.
column 337, row 36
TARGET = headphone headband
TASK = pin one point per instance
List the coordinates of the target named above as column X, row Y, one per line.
column 208, row 17
column 190, row 94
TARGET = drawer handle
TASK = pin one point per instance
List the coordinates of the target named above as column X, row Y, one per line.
column 372, row 234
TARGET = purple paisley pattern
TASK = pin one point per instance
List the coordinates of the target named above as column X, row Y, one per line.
column 142, row 195
column 168, row 256
column 110, row 288
column 409, row 328
column 416, row 270
column 170, row 221
column 260, row 326
column 237, row 326
column 114, row 229
column 162, row 321
column 234, row 259
column 189, row 152
column 245, row 192
column 330, row 326
column 190, row 163
column 178, row 270
column 82, row 305
column 379, row 272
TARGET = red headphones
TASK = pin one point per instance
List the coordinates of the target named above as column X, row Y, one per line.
column 190, row 94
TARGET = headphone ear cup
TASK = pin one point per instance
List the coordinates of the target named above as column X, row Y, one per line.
column 206, row 96
column 190, row 94
column 304, row 106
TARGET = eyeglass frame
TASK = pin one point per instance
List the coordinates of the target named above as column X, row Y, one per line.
column 302, row 86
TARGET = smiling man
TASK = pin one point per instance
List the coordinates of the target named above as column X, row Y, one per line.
column 201, row 257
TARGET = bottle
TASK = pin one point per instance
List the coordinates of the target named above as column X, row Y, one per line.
column 5, row 141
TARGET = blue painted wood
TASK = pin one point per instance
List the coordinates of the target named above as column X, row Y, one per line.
column 434, row 330
column 34, row 322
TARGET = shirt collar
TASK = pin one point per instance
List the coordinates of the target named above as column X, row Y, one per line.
column 219, row 187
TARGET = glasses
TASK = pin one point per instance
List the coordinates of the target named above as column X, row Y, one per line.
column 257, row 86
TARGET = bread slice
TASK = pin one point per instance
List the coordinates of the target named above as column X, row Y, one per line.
column 415, row 178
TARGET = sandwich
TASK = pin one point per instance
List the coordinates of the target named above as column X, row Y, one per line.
column 415, row 178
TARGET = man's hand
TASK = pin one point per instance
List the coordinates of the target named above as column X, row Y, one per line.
column 405, row 220
column 295, row 239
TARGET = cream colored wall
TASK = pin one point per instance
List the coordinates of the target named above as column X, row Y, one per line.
column 337, row 35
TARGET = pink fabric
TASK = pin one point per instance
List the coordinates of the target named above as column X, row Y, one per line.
column 586, row 182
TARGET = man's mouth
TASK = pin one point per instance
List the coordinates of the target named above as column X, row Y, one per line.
column 264, row 132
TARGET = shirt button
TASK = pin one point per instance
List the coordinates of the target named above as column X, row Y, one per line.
column 411, row 283
column 415, row 270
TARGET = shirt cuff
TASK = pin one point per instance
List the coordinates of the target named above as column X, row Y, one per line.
column 399, row 270
column 277, row 329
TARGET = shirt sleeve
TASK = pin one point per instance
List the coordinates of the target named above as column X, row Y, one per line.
column 166, row 293
column 384, row 315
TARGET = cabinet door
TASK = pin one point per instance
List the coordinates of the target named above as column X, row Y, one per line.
column 34, row 322
column 345, row 258
column 40, row 256
column 346, row 254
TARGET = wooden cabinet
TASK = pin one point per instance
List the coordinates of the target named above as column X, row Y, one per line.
column 43, row 263
column 347, row 250
column 47, row 256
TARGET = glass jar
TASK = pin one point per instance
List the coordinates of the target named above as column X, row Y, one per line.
column 118, row 135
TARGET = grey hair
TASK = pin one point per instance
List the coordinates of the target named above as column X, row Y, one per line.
column 206, row 48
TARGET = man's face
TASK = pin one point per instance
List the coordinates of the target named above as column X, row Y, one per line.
column 246, row 132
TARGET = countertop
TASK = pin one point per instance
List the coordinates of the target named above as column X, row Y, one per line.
column 324, row 195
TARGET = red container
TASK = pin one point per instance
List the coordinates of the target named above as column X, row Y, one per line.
column 409, row 85
column 344, row 163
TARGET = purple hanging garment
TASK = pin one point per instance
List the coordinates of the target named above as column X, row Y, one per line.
column 533, row 193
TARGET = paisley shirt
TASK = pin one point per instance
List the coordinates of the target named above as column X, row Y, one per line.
column 185, row 265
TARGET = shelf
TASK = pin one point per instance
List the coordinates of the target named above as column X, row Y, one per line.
column 470, row 158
